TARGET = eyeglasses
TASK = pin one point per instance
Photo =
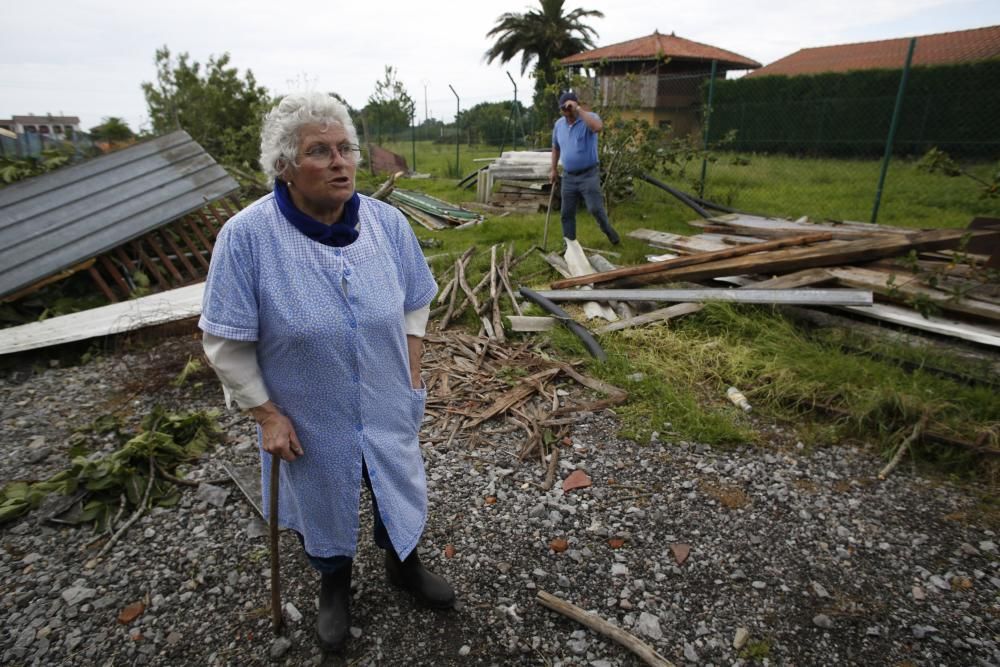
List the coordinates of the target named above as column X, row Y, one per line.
column 324, row 153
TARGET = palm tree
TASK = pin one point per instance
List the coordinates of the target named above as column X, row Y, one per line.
column 542, row 36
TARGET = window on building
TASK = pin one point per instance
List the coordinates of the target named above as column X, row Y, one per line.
column 30, row 128
column 43, row 129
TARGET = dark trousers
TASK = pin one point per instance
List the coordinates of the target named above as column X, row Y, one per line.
column 329, row 565
column 586, row 186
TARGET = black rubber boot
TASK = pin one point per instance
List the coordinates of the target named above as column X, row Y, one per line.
column 430, row 590
column 334, row 620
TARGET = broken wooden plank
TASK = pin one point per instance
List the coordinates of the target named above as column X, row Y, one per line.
column 645, row 652
column 524, row 323
column 167, row 306
column 756, row 225
column 982, row 334
column 805, row 296
column 522, row 391
column 690, row 244
column 690, row 260
column 901, row 285
column 830, row 253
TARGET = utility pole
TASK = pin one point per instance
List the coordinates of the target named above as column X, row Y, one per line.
column 458, row 137
column 425, row 82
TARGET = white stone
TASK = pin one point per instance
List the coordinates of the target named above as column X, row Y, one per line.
column 649, row 625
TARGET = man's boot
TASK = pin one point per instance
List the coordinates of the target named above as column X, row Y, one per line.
column 430, row 589
column 334, row 620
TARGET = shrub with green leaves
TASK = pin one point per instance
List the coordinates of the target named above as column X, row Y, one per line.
column 166, row 440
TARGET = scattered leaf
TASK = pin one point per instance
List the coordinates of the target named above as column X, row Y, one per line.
column 568, row 441
column 577, row 479
column 131, row 612
column 449, row 551
column 559, row 545
column 616, row 542
column 491, row 500
column 961, row 583
column 680, row 552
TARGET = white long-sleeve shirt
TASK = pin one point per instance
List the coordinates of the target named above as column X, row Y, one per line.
column 235, row 362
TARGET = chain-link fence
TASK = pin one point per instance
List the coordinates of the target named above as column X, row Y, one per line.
column 846, row 146
column 33, row 144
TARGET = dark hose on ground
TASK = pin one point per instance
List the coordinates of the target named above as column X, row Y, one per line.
column 685, row 199
column 697, row 203
column 581, row 332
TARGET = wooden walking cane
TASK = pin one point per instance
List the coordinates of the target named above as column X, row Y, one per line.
column 548, row 212
column 276, row 620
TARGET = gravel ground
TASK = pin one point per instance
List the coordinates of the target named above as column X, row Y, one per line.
column 800, row 557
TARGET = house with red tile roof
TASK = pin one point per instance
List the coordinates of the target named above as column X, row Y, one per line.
column 945, row 48
column 657, row 77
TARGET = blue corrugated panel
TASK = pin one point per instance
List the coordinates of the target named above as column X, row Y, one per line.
column 52, row 222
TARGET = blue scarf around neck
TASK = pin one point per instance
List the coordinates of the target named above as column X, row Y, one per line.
column 342, row 233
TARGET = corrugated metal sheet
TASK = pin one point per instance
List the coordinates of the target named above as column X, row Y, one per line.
column 54, row 221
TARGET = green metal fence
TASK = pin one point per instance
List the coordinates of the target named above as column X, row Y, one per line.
column 848, row 146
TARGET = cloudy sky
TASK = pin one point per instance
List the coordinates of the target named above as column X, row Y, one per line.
column 88, row 57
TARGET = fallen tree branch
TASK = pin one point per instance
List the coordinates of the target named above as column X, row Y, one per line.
column 918, row 430
column 550, row 474
column 645, row 652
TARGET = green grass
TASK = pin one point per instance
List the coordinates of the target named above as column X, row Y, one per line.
column 782, row 367
column 845, row 190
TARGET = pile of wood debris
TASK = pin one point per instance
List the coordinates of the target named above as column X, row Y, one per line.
column 517, row 181
column 941, row 280
column 472, row 379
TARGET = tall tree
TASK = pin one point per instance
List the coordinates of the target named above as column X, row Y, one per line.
column 390, row 107
column 218, row 108
column 542, row 36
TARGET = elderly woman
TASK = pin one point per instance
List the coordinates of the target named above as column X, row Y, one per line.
column 314, row 311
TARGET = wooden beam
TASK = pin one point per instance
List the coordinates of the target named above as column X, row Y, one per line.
column 196, row 228
column 830, row 253
column 906, row 285
column 116, row 275
column 96, row 275
column 158, row 249
column 178, row 226
column 805, row 296
column 691, row 260
column 180, row 254
column 148, row 263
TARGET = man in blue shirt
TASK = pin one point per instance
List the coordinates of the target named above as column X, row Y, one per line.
column 574, row 140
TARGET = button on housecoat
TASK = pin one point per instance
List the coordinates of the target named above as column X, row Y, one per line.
column 331, row 346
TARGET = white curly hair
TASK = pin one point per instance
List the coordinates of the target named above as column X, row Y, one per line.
column 279, row 135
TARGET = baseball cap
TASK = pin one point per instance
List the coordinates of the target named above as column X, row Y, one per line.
column 566, row 97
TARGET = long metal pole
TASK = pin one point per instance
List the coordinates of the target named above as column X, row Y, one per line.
column 458, row 138
column 413, row 134
column 892, row 130
column 708, row 118
column 513, row 110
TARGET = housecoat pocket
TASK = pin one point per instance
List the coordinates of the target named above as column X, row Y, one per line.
column 418, row 403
